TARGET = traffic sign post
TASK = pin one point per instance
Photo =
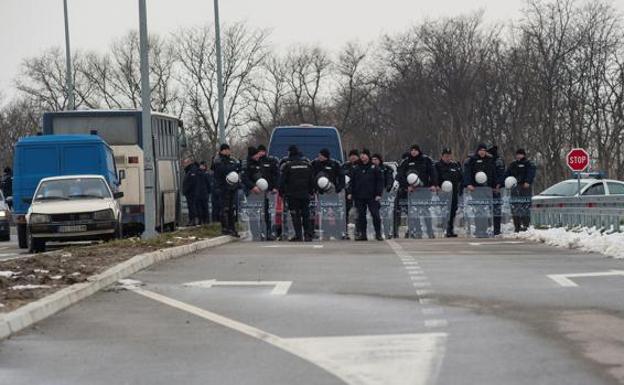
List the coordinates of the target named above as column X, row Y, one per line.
column 577, row 161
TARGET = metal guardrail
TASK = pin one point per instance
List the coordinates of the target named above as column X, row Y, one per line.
column 605, row 212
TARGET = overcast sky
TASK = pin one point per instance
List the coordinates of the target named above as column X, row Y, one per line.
column 30, row 26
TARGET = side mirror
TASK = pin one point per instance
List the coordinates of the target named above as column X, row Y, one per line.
column 122, row 175
column 118, row 195
column 27, row 200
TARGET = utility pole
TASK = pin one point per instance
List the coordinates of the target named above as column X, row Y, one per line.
column 146, row 129
column 221, row 122
column 69, row 81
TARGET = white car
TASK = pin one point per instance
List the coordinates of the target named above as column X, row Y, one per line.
column 73, row 208
column 589, row 188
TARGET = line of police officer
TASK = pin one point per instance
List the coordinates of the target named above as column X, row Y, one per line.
column 365, row 178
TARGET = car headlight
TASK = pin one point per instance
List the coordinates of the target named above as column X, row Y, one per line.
column 104, row 215
column 36, row 219
column 3, row 214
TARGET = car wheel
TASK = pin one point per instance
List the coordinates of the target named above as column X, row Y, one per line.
column 22, row 237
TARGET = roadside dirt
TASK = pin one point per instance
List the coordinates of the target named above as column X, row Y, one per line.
column 30, row 278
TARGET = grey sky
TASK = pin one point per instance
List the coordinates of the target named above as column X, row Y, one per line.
column 29, row 26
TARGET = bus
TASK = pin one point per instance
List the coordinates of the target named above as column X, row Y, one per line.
column 121, row 129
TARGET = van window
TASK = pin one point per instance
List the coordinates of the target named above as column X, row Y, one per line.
column 309, row 141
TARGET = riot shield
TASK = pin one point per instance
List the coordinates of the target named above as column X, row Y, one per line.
column 331, row 216
column 518, row 209
column 252, row 215
column 386, row 211
column 478, row 212
column 428, row 213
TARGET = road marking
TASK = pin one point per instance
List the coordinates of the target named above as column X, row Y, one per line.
column 293, row 246
column 424, row 292
column 565, row 281
column 427, row 301
column 280, row 287
column 420, row 285
column 395, row 359
column 432, row 311
column 436, row 323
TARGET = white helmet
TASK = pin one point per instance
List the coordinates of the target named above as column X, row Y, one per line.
column 232, row 178
column 413, row 179
column 347, row 179
column 511, row 182
column 447, row 186
column 395, row 185
column 481, row 177
column 323, row 183
column 262, row 184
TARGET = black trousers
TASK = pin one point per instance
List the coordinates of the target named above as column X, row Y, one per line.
column 498, row 205
column 216, row 206
column 373, row 206
column 191, row 205
column 521, row 207
column 201, row 205
column 300, row 213
column 228, row 215
column 450, row 228
column 348, row 206
column 400, row 206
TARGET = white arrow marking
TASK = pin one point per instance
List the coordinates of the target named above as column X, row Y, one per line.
column 280, row 287
column 395, row 359
column 565, row 281
column 496, row 243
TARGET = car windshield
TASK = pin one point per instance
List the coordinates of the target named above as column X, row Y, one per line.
column 67, row 189
column 563, row 189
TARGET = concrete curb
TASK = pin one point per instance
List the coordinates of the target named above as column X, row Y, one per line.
column 34, row 312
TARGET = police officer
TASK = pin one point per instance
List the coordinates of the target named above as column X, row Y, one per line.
column 261, row 166
column 524, row 171
column 347, row 167
column 224, row 164
column 297, row 185
column 366, row 189
column 420, row 164
column 325, row 166
column 190, row 185
column 480, row 161
column 204, row 189
column 449, row 170
column 499, row 164
column 386, row 171
column 7, row 182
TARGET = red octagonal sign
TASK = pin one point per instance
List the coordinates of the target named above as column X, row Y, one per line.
column 577, row 159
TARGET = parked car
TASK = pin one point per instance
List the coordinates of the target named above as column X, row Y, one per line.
column 5, row 220
column 73, row 208
column 38, row 157
column 590, row 187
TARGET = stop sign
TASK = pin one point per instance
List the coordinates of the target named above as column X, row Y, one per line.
column 577, row 159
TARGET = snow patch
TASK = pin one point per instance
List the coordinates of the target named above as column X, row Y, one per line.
column 586, row 239
column 7, row 274
column 29, row 287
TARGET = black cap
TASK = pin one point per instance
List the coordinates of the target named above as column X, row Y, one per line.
column 415, row 147
column 324, row 152
column 521, row 151
column 354, row 152
column 378, row 156
column 446, row 151
column 293, row 150
column 482, row 146
column 224, row 146
column 251, row 151
column 262, row 147
column 365, row 151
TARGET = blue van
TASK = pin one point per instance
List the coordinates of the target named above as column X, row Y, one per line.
column 38, row 157
column 308, row 138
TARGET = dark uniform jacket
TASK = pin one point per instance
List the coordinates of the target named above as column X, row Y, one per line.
column 330, row 169
column 192, row 181
column 297, row 178
column 266, row 167
column 523, row 170
column 452, row 172
column 222, row 166
column 6, row 184
column 422, row 165
column 366, row 182
column 476, row 164
column 388, row 176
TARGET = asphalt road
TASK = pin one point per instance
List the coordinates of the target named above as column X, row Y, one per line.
column 406, row 312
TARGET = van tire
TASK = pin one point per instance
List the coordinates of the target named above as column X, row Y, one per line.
column 22, row 236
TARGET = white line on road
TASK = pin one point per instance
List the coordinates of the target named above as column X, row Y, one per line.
column 432, row 311
column 394, row 359
column 280, row 287
column 293, row 246
column 496, row 243
column 436, row 323
column 565, row 281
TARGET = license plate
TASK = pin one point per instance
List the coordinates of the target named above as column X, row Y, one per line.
column 72, row 229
